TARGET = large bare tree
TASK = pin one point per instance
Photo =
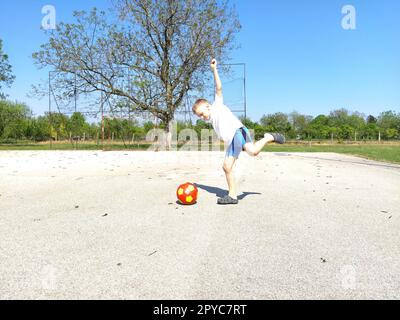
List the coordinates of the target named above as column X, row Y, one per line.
column 148, row 52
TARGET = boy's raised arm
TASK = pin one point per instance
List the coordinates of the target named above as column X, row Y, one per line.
column 218, row 84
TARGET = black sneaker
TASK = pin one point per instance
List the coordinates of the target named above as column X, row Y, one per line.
column 227, row 200
column 278, row 138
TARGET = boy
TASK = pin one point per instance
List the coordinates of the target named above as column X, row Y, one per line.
column 230, row 129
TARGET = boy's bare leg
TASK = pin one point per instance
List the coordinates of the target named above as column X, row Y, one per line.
column 254, row 149
column 230, row 178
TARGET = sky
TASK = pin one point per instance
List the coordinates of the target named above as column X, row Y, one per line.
column 298, row 56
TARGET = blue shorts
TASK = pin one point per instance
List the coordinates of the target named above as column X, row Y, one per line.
column 241, row 137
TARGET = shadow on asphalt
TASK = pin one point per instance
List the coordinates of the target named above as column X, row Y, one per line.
column 221, row 192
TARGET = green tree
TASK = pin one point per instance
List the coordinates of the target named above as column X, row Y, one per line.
column 59, row 123
column 76, row 124
column 338, row 118
column 147, row 126
column 371, row 119
column 389, row 120
column 94, row 131
column 345, row 132
column 39, row 128
column 356, row 120
column 277, row 122
column 319, row 128
column 13, row 119
column 370, row 131
column 391, row 133
column 299, row 123
column 139, row 132
column 346, row 123
column 259, row 131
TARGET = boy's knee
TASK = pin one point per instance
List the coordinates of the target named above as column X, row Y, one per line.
column 227, row 168
column 252, row 152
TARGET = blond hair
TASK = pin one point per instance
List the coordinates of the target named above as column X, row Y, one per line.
column 198, row 103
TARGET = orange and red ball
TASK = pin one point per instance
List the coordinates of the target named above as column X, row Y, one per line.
column 187, row 193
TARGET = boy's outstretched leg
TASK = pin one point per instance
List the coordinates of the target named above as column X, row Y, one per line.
column 254, row 149
column 231, row 198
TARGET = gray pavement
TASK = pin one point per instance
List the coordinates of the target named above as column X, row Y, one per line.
column 106, row 225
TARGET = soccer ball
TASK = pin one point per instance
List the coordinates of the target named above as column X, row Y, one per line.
column 187, row 193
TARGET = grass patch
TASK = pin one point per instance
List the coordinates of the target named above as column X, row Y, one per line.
column 387, row 153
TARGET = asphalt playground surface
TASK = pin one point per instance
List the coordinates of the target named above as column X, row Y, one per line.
column 106, row 225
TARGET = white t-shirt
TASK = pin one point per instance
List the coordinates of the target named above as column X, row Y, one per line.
column 224, row 122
